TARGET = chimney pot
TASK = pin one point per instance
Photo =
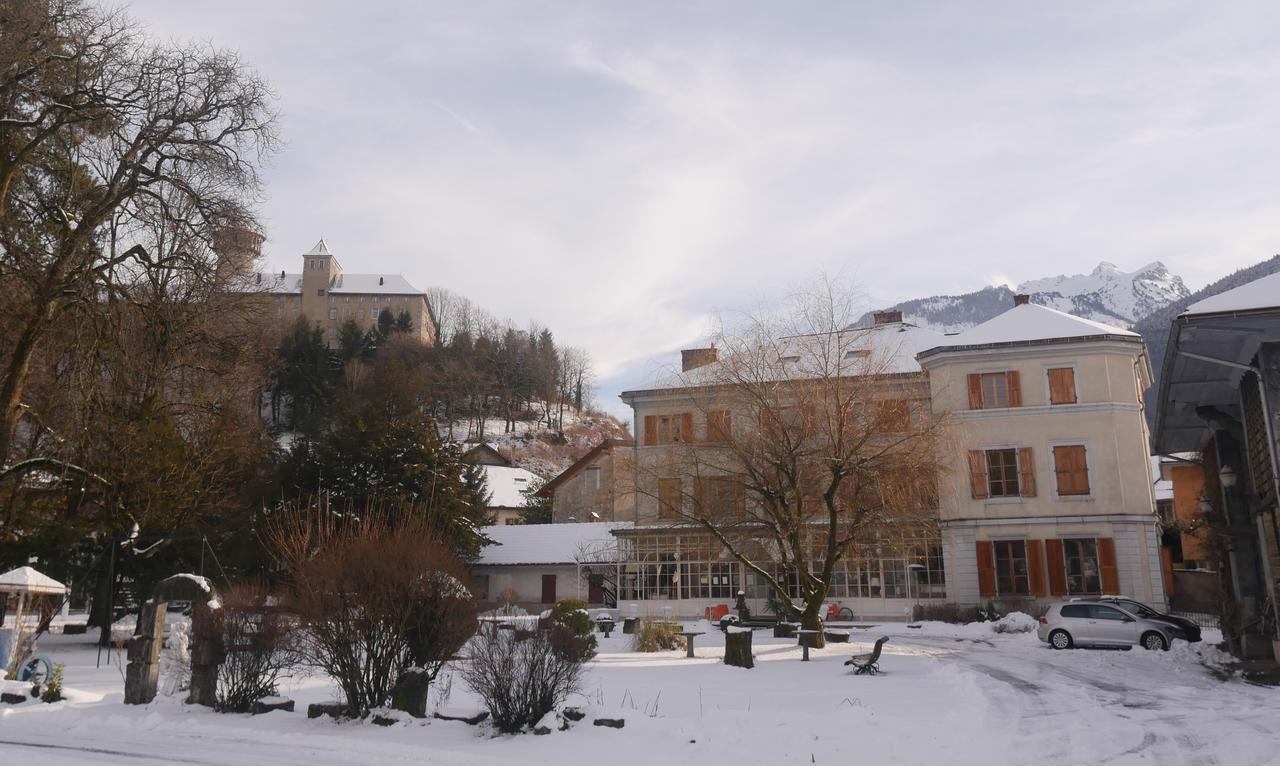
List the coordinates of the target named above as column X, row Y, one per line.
column 282, row 273
column 891, row 316
column 693, row 358
column 380, row 280
column 1021, row 299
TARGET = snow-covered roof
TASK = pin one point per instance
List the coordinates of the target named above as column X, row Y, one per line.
column 343, row 284
column 545, row 543
column 891, row 348
column 28, row 580
column 1261, row 293
column 507, row 485
column 320, row 249
column 369, row 284
column 1163, row 487
column 1030, row 323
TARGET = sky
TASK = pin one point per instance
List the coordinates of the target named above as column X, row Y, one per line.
column 624, row 172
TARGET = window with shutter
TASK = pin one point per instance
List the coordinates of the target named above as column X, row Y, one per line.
column 995, row 390
column 1084, row 576
column 1011, row 568
column 1071, row 469
column 1062, row 385
column 650, row 430
column 719, row 426
column 1002, row 473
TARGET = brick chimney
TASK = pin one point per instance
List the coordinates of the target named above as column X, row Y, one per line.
column 891, row 316
column 693, row 358
column 1021, row 299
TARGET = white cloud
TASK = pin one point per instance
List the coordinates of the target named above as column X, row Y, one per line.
column 621, row 171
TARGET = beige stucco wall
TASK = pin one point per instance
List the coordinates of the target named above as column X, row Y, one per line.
column 604, row 487
column 1107, row 418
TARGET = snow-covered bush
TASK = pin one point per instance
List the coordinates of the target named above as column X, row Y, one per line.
column 655, row 635
column 572, row 631
column 1015, row 622
column 520, row 680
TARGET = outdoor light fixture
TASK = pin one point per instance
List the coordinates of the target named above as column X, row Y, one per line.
column 1227, row 476
column 1205, row 505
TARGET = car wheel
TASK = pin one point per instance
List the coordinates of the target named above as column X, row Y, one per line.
column 846, row 614
column 1154, row 641
column 1060, row 639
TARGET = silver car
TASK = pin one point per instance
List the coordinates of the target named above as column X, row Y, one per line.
column 1092, row 623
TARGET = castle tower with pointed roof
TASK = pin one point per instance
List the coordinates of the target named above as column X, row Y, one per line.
column 330, row 298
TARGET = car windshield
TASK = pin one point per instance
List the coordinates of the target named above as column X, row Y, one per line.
column 1142, row 610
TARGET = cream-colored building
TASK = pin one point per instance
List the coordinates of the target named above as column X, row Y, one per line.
column 1048, row 495
column 597, row 487
column 1049, row 492
column 328, row 297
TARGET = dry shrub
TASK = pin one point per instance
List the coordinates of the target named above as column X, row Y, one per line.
column 261, row 646
column 655, row 636
column 520, row 679
column 382, row 603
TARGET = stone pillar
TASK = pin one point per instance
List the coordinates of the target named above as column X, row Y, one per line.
column 410, row 693
column 142, row 676
column 207, row 654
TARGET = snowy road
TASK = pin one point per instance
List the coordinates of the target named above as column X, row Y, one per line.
column 954, row 695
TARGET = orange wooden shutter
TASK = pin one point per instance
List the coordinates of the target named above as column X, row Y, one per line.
column 1071, row 469
column 718, row 426
column 1026, row 473
column 1035, row 567
column 650, row 430
column 1014, row 381
column 1057, row 564
column 669, row 500
column 975, row 391
column 1107, row 566
column 986, row 569
column 686, row 427
column 978, row 474
column 1062, row 385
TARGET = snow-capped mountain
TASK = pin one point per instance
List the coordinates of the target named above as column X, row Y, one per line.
column 1105, row 294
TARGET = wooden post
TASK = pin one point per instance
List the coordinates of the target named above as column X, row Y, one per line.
column 737, row 649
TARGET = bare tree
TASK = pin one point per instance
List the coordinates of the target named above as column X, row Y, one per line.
column 818, row 440
column 102, row 128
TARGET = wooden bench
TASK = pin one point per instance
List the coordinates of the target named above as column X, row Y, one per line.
column 868, row 663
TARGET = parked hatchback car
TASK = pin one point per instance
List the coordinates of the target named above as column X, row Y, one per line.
column 1097, row 623
column 1139, row 609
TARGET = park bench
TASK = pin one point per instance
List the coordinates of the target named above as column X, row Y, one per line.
column 867, row 663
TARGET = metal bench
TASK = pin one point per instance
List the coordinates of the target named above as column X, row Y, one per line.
column 868, row 663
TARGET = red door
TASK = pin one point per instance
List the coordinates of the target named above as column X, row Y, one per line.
column 548, row 589
column 595, row 589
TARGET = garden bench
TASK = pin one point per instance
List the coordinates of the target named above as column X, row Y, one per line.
column 867, row 663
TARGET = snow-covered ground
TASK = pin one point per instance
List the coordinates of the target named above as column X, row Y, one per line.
column 951, row 695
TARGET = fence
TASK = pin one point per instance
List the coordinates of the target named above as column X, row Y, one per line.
column 1202, row 619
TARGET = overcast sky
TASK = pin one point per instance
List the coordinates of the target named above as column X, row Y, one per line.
column 622, row 171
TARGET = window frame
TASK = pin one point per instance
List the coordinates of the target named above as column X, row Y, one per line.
column 1070, row 544
column 1017, row 483
column 1013, row 576
column 982, row 390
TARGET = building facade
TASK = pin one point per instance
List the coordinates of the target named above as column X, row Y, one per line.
column 597, row 487
column 1220, row 395
column 1048, row 493
column 327, row 297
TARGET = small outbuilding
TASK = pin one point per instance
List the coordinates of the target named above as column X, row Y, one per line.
column 535, row 565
